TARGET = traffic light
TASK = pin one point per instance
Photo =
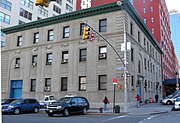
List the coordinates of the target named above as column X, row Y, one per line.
column 42, row 3
column 86, row 33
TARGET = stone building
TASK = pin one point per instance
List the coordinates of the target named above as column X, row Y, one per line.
column 49, row 57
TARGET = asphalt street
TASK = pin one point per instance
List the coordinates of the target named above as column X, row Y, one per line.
column 171, row 117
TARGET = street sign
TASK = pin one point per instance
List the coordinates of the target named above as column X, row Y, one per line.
column 115, row 80
column 119, row 68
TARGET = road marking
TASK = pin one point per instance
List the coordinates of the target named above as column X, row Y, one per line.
column 149, row 118
column 115, row 118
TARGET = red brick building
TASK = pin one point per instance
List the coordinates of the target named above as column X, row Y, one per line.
column 155, row 15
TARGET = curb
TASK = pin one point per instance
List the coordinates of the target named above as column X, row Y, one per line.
column 152, row 113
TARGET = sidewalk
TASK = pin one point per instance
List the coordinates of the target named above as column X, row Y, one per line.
column 145, row 109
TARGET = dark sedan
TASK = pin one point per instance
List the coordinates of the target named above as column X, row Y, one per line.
column 68, row 105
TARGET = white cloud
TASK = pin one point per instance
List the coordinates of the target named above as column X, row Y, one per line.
column 173, row 4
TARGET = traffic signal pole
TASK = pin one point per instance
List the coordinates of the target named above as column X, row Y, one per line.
column 124, row 63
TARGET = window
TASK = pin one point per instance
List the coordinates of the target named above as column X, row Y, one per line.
column 36, row 38
column 145, row 21
column 50, row 35
column 132, row 81
column 144, row 1
column 27, row 3
column 82, row 83
column 148, row 47
column 33, row 85
column 139, row 37
column 139, row 67
column 64, row 84
column 34, row 60
column 6, row 5
column 38, row 18
column 144, row 10
column 152, row 30
column 152, row 20
column 71, row 1
column 66, row 32
column 3, row 43
column 64, row 57
column 102, row 52
column 81, row 28
column 47, row 85
column 56, row 9
column 145, row 64
column 25, row 14
column 19, row 41
column 102, row 82
column 151, row 0
column 131, row 29
column 69, row 8
column 148, row 65
column 42, row 11
column 2, row 33
column 144, row 43
column 21, row 22
column 49, row 59
column 4, row 18
column 59, row 2
column 82, row 56
column 132, row 54
column 17, row 63
column 151, row 9
column 103, row 25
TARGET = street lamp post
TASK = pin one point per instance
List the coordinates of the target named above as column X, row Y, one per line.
column 177, row 84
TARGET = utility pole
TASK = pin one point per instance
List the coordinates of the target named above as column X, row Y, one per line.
column 125, row 69
column 177, row 83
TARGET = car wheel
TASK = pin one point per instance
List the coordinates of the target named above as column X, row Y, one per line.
column 50, row 114
column 16, row 111
column 66, row 112
column 168, row 102
column 84, row 111
column 36, row 110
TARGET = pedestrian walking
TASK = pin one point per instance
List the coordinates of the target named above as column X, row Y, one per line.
column 138, row 100
column 156, row 98
column 105, row 101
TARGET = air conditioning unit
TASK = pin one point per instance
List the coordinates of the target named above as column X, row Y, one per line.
column 49, row 63
column 64, row 60
column 132, row 87
column 47, row 89
column 17, row 65
column 34, row 64
column 101, row 56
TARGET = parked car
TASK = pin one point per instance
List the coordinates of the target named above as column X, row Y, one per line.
column 21, row 105
column 177, row 104
column 48, row 99
column 68, row 105
column 171, row 98
column 7, row 101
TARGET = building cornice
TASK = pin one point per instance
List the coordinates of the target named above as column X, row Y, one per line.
column 126, row 5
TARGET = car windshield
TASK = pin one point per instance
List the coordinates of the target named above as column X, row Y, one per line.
column 178, row 99
column 170, row 96
column 16, row 101
column 3, row 100
column 64, row 100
